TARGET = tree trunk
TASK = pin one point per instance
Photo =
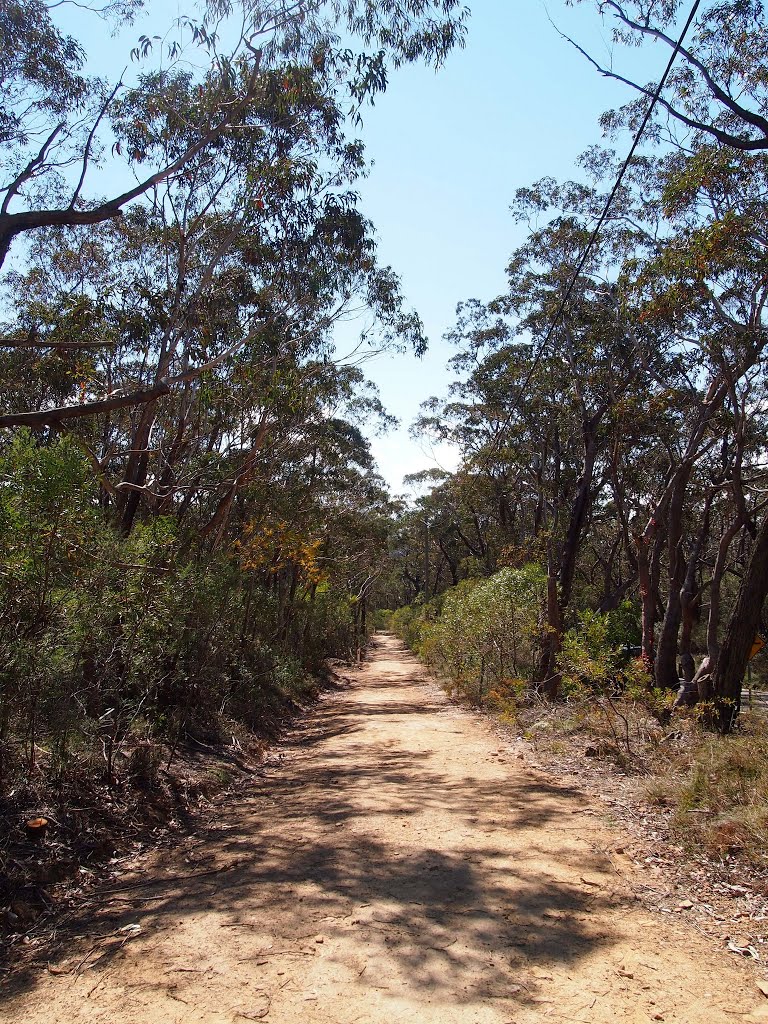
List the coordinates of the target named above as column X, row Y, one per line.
column 579, row 511
column 690, row 597
column 740, row 635
column 665, row 668
column 560, row 582
column 648, row 604
column 550, row 644
column 216, row 525
column 689, row 607
column 136, row 468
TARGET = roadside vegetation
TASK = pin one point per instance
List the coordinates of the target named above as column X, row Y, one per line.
column 191, row 522
column 596, row 567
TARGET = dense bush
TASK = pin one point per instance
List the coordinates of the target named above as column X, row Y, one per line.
column 593, row 653
column 105, row 638
column 483, row 634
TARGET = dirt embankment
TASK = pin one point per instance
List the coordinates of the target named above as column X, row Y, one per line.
column 395, row 865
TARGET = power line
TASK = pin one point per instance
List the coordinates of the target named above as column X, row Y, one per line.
column 607, row 208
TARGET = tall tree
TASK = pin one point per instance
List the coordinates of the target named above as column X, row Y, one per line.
column 57, row 124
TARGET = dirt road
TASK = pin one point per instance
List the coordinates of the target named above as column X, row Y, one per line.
column 394, row 865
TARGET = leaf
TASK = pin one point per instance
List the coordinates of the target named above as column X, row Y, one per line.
column 130, row 930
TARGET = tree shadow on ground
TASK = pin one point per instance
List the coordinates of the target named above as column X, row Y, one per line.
column 340, row 837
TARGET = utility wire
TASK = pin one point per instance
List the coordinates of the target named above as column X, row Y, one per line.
column 607, row 208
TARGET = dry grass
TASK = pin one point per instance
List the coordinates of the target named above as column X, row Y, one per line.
column 720, row 798
column 716, row 787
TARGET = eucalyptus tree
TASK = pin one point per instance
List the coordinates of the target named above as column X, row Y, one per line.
column 239, row 238
column 716, row 92
column 701, row 286
column 712, row 124
column 693, row 301
column 202, row 331
column 58, row 127
column 313, row 514
column 242, row 246
column 537, row 407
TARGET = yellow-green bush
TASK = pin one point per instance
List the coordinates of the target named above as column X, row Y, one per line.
column 482, row 635
column 592, row 654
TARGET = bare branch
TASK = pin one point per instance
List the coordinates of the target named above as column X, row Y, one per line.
column 716, row 90
column 89, row 143
column 65, row 413
column 14, row 224
column 726, row 138
column 29, row 170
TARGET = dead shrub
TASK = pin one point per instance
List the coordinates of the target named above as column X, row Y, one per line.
column 144, row 764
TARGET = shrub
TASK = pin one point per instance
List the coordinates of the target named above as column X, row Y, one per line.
column 106, row 639
column 592, row 654
column 481, row 635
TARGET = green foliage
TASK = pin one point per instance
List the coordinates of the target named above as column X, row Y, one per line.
column 482, row 635
column 104, row 637
column 593, row 653
column 412, row 622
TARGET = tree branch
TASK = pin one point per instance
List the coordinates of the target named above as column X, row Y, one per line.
column 12, row 224
column 65, row 413
column 726, row 138
column 716, row 90
column 29, row 170
column 89, row 143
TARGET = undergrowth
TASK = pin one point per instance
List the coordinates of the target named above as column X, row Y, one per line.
column 714, row 789
column 480, row 641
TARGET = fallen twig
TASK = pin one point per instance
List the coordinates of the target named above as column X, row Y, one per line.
column 278, row 952
column 97, row 893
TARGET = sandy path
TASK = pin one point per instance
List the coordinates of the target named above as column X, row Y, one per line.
column 394, row 866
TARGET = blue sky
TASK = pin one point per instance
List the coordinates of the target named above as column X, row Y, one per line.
column 449, row 151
